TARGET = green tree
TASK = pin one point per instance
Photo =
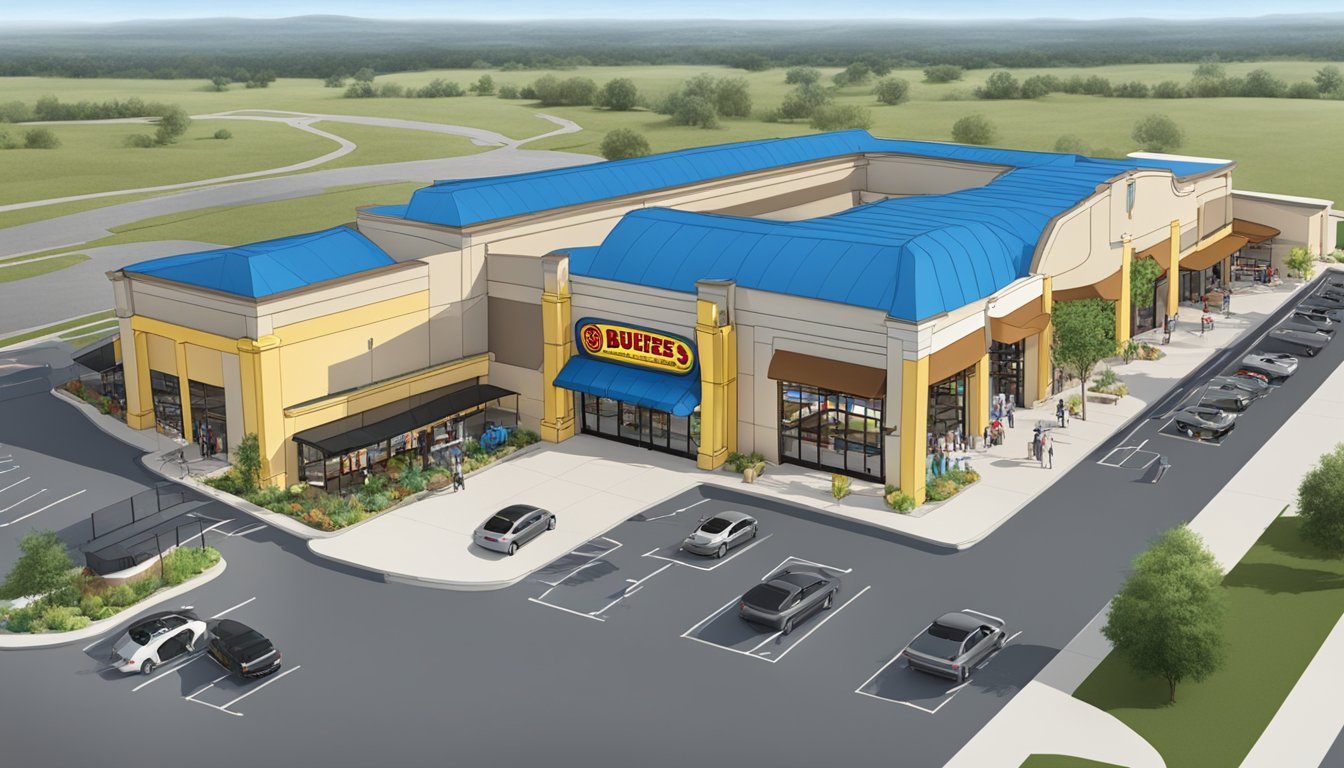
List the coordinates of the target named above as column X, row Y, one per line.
column 484, row 86
column 1168, row 89
column 855, row 74
column 892, row 90
column 1131, row 90
column 336, row 80
column 1329, row 79
column 174, row 122
column 1036, row 86
column 1262, row 84
column 624, row 143
column 619, row 95
column 1143, row 274
column 973, row 129
column 942, row 73
column 509, row 91
column 1084, row 336
column 1303, row 90
column 695, row 110
column 360, row 89
column 1000, row 85
column 802, row 75
column 218, row 83
column 364, row 75
column 1320, row 503
column 40, row 138
column 802, row 101
column 1210, row 69
column 839, row 117
column 1072, row 144
column 247, row 462
column 43, row 567
column 1301, row 261
column 1167, row 620
column 732, row 97
column 1158, row 133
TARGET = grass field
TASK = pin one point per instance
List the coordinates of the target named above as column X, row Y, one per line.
column 1281, row 584
column 379, row 145
column 28, row 269
column 65, row 325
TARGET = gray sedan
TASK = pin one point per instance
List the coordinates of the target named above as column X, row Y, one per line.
column 789, row 598
column 513, row 526
column 1200, row 421
column 1308, row 341
column 720, row 533
column 1223, row 394
column 955, row 644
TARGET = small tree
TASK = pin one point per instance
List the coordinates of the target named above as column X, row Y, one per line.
column 803, row 101
column 1158, row 133
column 508, row 91
column 619, row 95
column 624, row 143
column 1329, row 79
column 695, row 110
column 44, row 566
column 1303, row 90
column 1261, row 83
column 40, row 138
column 802, row 75
column 1169, row 89
column 1143, row 274
column 1000, row 85
column 1084, row 336
column 839, row 117
column 484, row 86
column 219, row 83
column 174, row 123
column 224, row 133
column 973, row 129
column 1320, row 503
column 1301, row 261
column 942, row 73
column 732, row 97
column 1168, row 618
column 247, row 462
column 364, row 75
column 1072, row 144
column 336, row 80
column 892, row 90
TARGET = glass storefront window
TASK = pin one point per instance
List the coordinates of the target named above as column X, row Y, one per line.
column 947, row 405
column 637, row 425
column 830, row 430
column 165, row 390
column 1007, row 373
column 208, row 414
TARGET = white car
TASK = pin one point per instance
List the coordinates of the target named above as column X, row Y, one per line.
column 157, row 639
column 1274, row 365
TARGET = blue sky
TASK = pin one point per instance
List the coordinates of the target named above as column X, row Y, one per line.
column 119, row 10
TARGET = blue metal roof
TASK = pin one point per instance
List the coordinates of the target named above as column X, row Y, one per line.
column 271, row 266
column 679, row 395
column 460, row 203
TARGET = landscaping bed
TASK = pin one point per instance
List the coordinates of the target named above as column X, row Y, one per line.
column 104, row 404
column 1284, row 595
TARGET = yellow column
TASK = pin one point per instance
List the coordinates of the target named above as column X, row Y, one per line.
column 1045, row 342
column 557, row 420
column 263, row 413
column 977, row 397
column 914, row 426
column 1122, row 306
column 717, row 347
column 139, row 399
column 184, row 390
column 1174, row 271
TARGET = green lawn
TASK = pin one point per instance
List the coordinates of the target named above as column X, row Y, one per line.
column 394, row 145
column 97, row 329
column 1062, row 761
column 30, row 215
column 76, row 322
column 27, row 269
column 1283, row 600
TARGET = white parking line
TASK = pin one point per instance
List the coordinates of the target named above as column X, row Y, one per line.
column 708, row 619
column 829, row 616
column 202, row 533
column 675, row 511
column 20, row 501
column 44, row 509
column 203, row 689
column 11, row 485
column 748, row 654
column 259, row 687
column 245, row 531
column 630, row 590
column 570, row 575
column 198, row 655
column 11, row 469
column 90, row 645
column 562, row 608
column 724, row 561
column 912, row 705
column 240, row 605
column 791, row 558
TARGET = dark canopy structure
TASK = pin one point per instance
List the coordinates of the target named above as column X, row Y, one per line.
column 335, row 439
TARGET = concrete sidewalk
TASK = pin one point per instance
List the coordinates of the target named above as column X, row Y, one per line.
column 1230, row 524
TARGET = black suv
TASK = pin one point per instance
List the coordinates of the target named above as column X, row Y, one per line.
column 243, row 650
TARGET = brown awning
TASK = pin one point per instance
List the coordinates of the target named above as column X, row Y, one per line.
column 851, row 379
column 1107, row 288
column 957, row 356
column 1212, row 254
column 1160, row 252
column 1026, row 320
column 1254, row 233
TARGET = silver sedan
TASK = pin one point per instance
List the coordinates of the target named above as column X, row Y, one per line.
column 955, row 644
column 720, row 533
column 513, row 526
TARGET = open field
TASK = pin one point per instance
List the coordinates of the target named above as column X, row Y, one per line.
column 94, row 320
column 29, row 269
column 1280, row 583
column 379, row 145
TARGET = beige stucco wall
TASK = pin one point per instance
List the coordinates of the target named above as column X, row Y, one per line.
column 1302, row 221
column 899, row 175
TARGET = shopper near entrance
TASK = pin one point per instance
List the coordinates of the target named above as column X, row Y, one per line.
column 1050, row 456
column 1059, row 412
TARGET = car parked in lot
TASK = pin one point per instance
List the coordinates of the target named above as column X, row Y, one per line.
column 157, row 639
column 1328, row 301
column 513, row 526
column 954, row 644
column 1226, row 395
column 720, row 533
column 1200, row 421
column 1301, row 318
column 1334, row 315
column 242, row 650
column 1244, row 373
column 1276, row 365
column 790, row 597
column 1309, row 342
column 1254, row 386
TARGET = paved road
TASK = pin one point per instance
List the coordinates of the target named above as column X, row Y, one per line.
column 1335, row 757
column 391, row 674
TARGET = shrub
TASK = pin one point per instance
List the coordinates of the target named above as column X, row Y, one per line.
column 839, row 486
column 1131, row 90
column 247, row 462
column 732, row 97
column 942, row 73
column 172, row 124
column 1000, row 85
column 803, row 101
column 40, row 138
column 624, row 143
column 334, row 81
column 61, row 618
column 484, row 86
column 738, row 462
column 91, row 606
column 1106, row 378
column 43, row 566
column 439, row 88
column 119, row 596
column 317, row 518
column 360, row 89
column 519, row 438
column 1337, row 255
column 184, row 562
column 1158, row 133
column 802, row 75
column 413, row 479
column 1168, row 89
column 6, row 142
column 973, row 129
column 1071, row 144
column 144, row 587
column 1301, row 261
column 223, row 134
column 839, row 117
column 390, row 91
column 941, row 489
column 508, row 91
column 618, row 95
column 21, row 619
column 1074, row 403
column 897, row 501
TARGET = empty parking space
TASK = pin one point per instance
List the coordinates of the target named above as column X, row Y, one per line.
column 1132, row 457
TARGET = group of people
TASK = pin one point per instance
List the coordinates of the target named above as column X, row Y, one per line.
column 205, row 439
column 1043, row 447
column 946, row 451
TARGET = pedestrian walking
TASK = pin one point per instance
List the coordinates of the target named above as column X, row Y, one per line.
column 1011, row 409
column 1050, row 456
column 459, row 483
column 209, row 440
column 1059, row 412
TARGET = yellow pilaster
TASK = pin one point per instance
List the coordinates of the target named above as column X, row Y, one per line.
column 139, row 399
column 557, row 420
column 184, row 391
column 914, row 426
column 1122, row 306
column 263, row 412
column 977, row 397
column 1174, row 270
column 717, row 347
column 1044, row 344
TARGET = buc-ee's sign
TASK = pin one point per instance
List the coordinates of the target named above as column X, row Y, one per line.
column 635, row 346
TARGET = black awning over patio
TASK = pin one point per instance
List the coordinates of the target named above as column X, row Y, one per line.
column 101, row 356
column 333, row 439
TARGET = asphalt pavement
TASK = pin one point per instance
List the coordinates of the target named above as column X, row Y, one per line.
column 625, row 650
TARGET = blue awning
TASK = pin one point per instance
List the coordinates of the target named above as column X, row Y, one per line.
column 678, row 395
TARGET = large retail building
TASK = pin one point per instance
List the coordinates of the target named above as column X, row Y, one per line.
column 831, row 300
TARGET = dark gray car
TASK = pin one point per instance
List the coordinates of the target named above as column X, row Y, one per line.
column 513, row 526
column 955, row 644
column 1200, row 421
column 789, row 598
column 1254, row 387
column 1309, row 342
column 1223, row 394
column 1320, row 322
column 720, row 533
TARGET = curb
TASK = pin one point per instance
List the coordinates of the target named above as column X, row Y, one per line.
column 24, row 641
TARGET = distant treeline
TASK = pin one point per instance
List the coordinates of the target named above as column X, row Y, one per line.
column 316, row 47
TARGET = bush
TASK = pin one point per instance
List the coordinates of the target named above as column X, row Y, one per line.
column 618, row 95
column 1301, row 261
column 942, row 73
column 1000, row 85
column 1106, row 378
column 551, row 91
column 390, row 91
column 144, row 587
column 62, row 618
column 413, row 479
column 484, row 86
column 224, row 134
column 6, row 141
column 119, row 596
column 892, row 90
column 360, row 89
column 1168, row 89
column 40, row 138
column 439, row 88
column 317, row 518
column 91, row 606
column 1074, row 403
column 695, row 110
column 803, row 101
column 732, row 97
column 1131, row 90
column 839, row 117
column 184, row 562
column 20, row 619
column 172, row 124
column 1158, row 133
column 941, row 489
column 624, row 143
column 1071, row 144
column 247, row 462
column 509, row 91
column 523, row 437
column 802, row 75
column 141, row 141
column 839, row 486
column 897, row 501
column 1302, row 90
column 973, row 129
column 738, row 462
